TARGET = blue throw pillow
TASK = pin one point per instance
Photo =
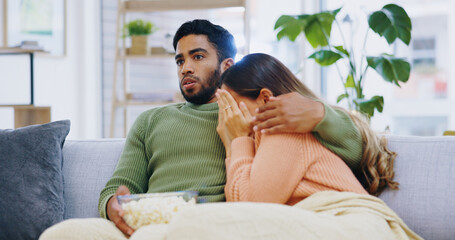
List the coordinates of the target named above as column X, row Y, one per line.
column 31, row 180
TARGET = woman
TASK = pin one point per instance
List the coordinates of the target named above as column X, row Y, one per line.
column 295, row 169
column 285, row 168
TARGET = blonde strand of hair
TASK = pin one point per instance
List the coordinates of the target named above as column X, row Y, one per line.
column 377, row 164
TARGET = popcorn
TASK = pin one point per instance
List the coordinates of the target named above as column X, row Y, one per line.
column 156, row 210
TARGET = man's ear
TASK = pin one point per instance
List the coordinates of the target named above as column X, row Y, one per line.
column 264, row 96
column 226, row 63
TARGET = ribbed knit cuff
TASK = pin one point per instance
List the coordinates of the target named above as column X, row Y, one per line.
column 326, row 120
column 103, row 207
column 333, row 124
column 242, row 148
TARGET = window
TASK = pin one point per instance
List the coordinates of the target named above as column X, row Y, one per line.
column 423, row 105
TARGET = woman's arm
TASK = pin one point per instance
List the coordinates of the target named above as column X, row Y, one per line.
column 268, row 175
column 332, row 127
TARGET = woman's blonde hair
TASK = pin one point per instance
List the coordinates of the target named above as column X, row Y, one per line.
column 257, row 71
column 377, row 171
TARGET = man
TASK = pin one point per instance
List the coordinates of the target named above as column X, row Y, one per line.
column 176, row 147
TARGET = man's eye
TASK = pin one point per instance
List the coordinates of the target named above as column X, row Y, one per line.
column 179, row 62
column 198, row 57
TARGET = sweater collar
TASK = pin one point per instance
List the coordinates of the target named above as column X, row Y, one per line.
column 203, row 107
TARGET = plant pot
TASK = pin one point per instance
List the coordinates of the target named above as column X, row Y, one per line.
column 139, row 44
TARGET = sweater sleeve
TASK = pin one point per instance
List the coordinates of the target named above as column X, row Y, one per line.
column 131, row 169
column 338, row 133
column 269, row 175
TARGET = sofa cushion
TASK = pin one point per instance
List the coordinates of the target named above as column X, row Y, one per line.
column 424, row 168
column 31, row 180
column 87, row 166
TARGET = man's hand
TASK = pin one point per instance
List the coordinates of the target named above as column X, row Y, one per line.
column 289, row 112
column 115, row 211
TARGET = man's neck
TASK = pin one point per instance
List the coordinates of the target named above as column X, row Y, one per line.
column 213, row 100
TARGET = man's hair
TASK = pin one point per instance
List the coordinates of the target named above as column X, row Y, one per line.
column 220, row 38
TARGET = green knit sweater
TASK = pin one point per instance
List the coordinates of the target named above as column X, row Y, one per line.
column 176, row 147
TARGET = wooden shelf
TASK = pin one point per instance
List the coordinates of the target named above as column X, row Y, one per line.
column 141, row 103
column 138, row 56
column 151, row 97
column 127, row 7
column 161, row 53
column 19, row 50
column 171, row 5
column 25, row 115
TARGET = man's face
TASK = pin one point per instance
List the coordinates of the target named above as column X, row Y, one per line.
column 198, row 69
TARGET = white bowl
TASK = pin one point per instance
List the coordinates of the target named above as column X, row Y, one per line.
column 154, row 208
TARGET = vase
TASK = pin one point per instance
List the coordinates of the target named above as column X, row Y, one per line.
column 139, row 45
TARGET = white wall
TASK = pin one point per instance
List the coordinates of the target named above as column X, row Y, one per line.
column 71, row 85
column 451, row 53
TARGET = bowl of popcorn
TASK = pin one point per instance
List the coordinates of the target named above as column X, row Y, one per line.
column 154, row 208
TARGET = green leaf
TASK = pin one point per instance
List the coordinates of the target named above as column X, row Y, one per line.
column 349, row 82
column 392, row 22
column 391, row 69
column 139, row 27
column 282, row 20
column 318, row 28
column 289, row 26
column 336, row 11
column 342, row 50
column 367, row 106
column 342, row 96
column 325, row 57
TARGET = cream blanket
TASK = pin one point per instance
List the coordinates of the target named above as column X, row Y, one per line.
column 361, row 207
column 324, row 215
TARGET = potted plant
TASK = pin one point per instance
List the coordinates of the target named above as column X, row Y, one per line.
column 391, row 22
column 139, row 30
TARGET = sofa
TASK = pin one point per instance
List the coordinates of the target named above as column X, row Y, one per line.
column 425, row 169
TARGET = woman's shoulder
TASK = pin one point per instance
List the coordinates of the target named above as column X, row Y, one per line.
column 305, row 143
column 287, row 136
column 286, row 140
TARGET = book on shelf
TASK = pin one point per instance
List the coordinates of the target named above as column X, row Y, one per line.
column 29, row 45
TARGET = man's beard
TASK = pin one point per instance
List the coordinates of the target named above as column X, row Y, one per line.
column 206, row 92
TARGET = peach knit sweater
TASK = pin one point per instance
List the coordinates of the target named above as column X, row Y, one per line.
column 284, row 168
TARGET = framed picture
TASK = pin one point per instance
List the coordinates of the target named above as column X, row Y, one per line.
column 36, row 24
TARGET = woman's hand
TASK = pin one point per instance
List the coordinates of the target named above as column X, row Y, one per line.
column 222, row 131
column 237, row 120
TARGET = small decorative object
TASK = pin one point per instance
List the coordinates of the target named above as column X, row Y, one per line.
column 139, row 30
column 391, row 22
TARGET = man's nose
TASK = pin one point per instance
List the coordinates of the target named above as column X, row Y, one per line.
column 187, row 68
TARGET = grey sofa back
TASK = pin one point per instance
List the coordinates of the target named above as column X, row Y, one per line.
column 425, row 169
column 87, row 166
